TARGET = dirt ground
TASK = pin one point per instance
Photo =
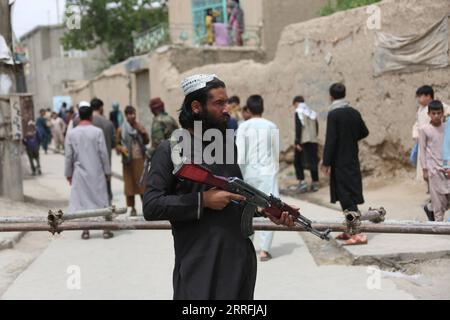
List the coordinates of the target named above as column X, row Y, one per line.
column 436, row 278
column 402, row 196
column 399, row 193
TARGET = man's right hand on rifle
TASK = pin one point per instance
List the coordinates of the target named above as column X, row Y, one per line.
column 217, row 199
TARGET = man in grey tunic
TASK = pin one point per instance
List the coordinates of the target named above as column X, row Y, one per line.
column 109, row 132
column 86, row 165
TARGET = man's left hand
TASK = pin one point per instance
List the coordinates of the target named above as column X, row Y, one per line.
column 326, row 170
column 285, row 219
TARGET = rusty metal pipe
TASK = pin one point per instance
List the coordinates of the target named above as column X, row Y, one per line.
column 373, row 215
column 353, row 219
column 405, row 227
column 84, row 214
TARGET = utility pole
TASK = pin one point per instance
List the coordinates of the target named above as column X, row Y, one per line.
column 10, row 114
column 57, row 12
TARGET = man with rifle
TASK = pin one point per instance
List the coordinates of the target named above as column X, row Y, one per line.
column 214, row 257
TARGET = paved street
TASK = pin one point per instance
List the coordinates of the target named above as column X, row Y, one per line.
column 138, row 264
column 364, row 110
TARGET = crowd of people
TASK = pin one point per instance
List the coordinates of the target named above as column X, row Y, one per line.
column 201, row 217
column 214, row 255
column 87, row 138
column 345, row 127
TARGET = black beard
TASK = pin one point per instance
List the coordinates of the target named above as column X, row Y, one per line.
column 208, row 122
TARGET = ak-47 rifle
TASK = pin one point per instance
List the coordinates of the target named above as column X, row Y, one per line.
column 254, row 197
column 144, row 173
column 148, row 161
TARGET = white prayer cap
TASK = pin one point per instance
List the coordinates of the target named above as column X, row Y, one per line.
column 84, row 104
column 196, row 82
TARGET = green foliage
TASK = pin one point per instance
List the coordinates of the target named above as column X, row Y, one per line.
column 341, row 5
column 112, row 23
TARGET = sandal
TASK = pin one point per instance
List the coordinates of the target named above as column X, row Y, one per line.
column 266, row 258
column 343, row 236
column 107, row 234
column 85, row 235
column 356, row 240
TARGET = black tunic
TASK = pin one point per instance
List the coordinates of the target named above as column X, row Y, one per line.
column 308, row 157
column 345, row 127
column 213, row 260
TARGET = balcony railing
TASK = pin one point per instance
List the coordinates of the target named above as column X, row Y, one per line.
column 160, row 35
column 187, row 34
column 150, row 40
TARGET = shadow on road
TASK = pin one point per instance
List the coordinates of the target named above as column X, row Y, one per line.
column 284, row 249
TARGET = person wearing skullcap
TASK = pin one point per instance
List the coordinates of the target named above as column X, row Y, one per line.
column 86, row 166
column 214, row 258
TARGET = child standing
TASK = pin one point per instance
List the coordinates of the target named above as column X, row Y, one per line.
column 32, row 144
column 431, row 140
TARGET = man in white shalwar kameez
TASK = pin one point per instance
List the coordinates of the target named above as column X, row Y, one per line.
column 86, row 165
column 257, row 141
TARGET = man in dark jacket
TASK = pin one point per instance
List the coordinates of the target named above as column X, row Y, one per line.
column 345, row 127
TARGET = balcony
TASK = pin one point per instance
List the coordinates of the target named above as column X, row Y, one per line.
column 148, row 41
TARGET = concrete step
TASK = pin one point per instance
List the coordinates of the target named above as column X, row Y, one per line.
column 9, row 239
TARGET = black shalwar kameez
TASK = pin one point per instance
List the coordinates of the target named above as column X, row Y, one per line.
column 345, row 127
column 213, row 260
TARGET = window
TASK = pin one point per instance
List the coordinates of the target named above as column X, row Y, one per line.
column 199, row 8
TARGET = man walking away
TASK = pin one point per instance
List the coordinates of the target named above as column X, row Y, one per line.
column 345, row 127
column 87, row 166
column 109, row 133
column 306, row 144
column 32, row 145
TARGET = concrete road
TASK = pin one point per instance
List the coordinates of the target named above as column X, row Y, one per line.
column 138, row 264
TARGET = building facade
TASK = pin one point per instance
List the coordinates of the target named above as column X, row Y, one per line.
column 264, row 19
column 50, row 69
